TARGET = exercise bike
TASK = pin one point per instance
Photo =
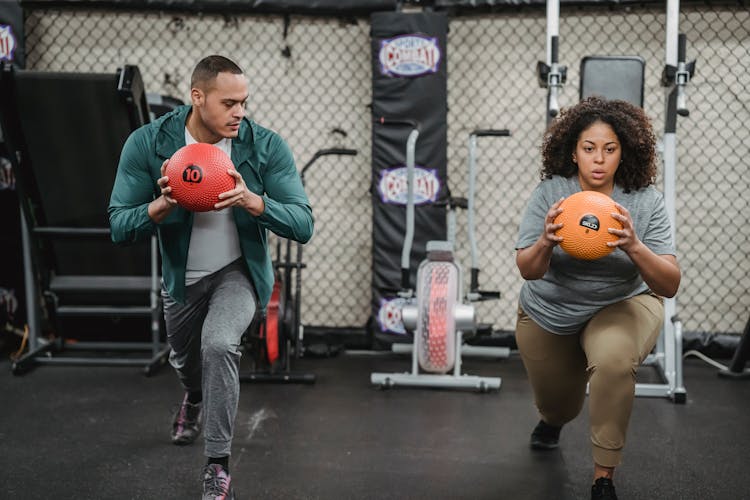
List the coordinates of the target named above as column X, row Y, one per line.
column 275, row 338
column 435, row 312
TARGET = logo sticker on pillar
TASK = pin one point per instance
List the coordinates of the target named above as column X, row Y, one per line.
column 409, row 55
column 393, row 188
column 7, row 43
column 389, row 315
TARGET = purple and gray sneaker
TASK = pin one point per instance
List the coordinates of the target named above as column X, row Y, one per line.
column 186, row 426
column 217, row 483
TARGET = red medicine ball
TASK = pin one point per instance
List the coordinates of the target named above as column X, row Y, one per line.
column 198, row 174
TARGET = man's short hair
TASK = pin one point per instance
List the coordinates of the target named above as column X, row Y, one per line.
column 209, row 67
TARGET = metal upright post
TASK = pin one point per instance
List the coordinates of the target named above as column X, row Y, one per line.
column 32, row 302
column 411, row 144
column 554, row 78
column 676, row 75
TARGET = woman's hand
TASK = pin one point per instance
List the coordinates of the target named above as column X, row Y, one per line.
column 533, row 261
column 549, row 238
column 628, row 240
column 660, row 272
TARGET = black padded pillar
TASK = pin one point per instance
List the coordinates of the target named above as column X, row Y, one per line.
column 409, row 83
column 11, row 33
column 12, row 303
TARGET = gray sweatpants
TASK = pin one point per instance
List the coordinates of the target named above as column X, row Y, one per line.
column 205, row 334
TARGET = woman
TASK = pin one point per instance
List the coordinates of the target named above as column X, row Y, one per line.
column 593, row 322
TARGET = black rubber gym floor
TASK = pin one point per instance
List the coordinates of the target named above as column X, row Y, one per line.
column 103, row 433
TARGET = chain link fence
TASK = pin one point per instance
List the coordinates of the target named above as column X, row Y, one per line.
column 311, row 82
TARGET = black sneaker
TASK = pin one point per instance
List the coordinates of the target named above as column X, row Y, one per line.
column 545, row 436
column 217, row 483
column 186, row 426
column 603, row 489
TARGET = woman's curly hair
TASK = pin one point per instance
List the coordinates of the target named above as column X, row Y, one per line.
column 632, row 127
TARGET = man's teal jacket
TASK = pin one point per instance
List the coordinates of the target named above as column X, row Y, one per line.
column 267, row 166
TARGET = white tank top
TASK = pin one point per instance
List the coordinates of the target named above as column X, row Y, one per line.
column 214, row 241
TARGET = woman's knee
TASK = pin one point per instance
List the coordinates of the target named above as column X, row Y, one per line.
column 562, row 412
column 613, row 368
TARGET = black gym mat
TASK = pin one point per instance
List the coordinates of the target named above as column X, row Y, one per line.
column 103, row 433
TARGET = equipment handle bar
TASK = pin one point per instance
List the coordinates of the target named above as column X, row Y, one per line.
column 397, row 121
column 324, row 152
column 72, row 232
column 491, row 133
column 411, row 143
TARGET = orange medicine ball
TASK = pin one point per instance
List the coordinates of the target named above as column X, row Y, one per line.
column 198, row 175
column 586, row 219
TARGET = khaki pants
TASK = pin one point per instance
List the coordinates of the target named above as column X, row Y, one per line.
column 606, row 353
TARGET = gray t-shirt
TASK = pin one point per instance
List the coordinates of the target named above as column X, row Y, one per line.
column 573, row 290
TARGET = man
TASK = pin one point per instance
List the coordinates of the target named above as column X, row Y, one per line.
column 216, row 268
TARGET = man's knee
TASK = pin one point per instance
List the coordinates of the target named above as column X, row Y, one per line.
column 217, row 347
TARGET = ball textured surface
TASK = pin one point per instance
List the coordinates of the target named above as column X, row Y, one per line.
column 198, row 174
column 586, row 218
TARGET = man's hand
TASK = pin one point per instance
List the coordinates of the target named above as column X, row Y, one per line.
column 241, row 196
column 163, row 205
